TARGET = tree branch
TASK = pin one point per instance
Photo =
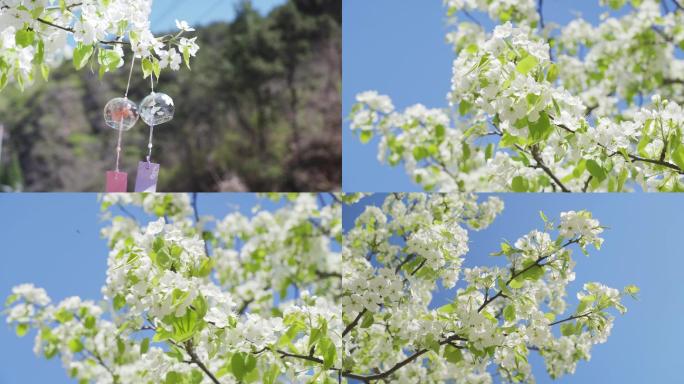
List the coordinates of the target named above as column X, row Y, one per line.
column 573, row 317
column 353, row 324
column 195, row 360
column 126, row 212
column 520, row 272
column 548, row 171
column 327, row 275
column 395, row 367
column 103, row 364
column 403, row 262
column 244, row 306
column 71, row 30
column 303, row 357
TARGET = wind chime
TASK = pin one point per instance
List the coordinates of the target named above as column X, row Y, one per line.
column 121, row 114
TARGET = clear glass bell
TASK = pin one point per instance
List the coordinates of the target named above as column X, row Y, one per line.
column 121, row 114
column 157, row 108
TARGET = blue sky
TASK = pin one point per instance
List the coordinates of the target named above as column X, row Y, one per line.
column 199, row 12
column 398, row 48
column 641, row 247
column 53, row 241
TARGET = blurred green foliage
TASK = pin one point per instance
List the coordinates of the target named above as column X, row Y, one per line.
column 259, row 111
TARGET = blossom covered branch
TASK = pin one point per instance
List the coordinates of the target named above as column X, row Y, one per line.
column 554, row 108
column 34, row 38
column 497, row 315
column 171, row 314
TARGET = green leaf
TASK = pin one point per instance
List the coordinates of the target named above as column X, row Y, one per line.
column 119, row 302
column 677, row 156
column 108, row 59
column 645, row 139
column 516, row 283
column 569, row 329
column 367, row 319
column 366, row 136
column 440, row 132
column 185, row 327
column 186, row 56
column 596, row 170
column 509, row 313
column 542, row 128
column 519, row 184
column 75, row 345
column 22, row 329
column 314, row 337
column 40, row 52
column 147, row 67
column 453, row 354
column 632, row 290
column 552, row 74
column 329, row 351
column 173, row 377
column 63, row 316
column 50, row 350
column 543, row 216
column 464, row 107
column 447, row 308
column 271, row 375
column 489, row 151
column 82, row 54
column 45, row 71
column 145, row 346
column 156, row 68
column 11, row 299
column 24, row 37
column 533, row 273
column 242, row 364
column 89, row 322
column 206, row 267
column 527, row 64
column 419, row 153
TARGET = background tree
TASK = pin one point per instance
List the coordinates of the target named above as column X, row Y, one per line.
column 232, row 130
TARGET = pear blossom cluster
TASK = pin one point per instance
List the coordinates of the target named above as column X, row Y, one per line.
column 35, row 36
column 197, row 299
column 574, row 108
column 398, row 256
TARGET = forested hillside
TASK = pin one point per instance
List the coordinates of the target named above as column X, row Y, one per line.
column 259, row 111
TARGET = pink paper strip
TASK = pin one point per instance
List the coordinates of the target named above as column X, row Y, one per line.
column 116, row 181
column 146, row 181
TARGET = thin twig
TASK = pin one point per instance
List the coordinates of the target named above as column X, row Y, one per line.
column 126, row 212
column 71, row 30
column 573, row 317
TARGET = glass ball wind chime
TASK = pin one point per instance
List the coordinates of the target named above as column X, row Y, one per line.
column 121, row 114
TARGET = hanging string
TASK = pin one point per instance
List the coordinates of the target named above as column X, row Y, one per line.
column 149, row 145
column 118, row 142
column 130, row 73
column 149, row 142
